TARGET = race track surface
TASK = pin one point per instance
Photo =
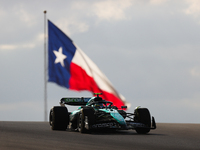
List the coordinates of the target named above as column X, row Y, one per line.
column 37, row 135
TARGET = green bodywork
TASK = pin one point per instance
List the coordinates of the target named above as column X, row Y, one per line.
column 108, row 114
column 115, row 114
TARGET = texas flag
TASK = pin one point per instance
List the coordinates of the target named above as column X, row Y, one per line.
column 70, row 67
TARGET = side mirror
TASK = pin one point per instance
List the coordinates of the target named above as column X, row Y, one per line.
column 123, row 107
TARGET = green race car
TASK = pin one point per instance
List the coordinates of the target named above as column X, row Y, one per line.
column 98, row 114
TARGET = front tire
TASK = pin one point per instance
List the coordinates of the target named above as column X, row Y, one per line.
column 142, row 115
column 86, row 115
column 59, row 118
column 81, row 123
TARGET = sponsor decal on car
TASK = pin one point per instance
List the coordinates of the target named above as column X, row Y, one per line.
column 76, row 99
column 135, row 125
column 105, row 125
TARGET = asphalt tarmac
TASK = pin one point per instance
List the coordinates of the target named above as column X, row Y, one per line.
column 37, row 135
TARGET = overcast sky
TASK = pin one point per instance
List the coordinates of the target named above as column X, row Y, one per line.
column 148, row 49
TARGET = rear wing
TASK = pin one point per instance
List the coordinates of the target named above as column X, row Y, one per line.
column 75, row 101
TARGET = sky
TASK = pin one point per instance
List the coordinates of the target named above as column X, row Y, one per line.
column 148, row 49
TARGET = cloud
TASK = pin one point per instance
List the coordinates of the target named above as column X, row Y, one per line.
column 25, row 45
column 195, row 71
column 80, row 22
column 72, row 25
column 2, row 13
column 24, row 15
column 111, row 9
column 193, row 8
column 17, row 13
column 17, row 46
column 8, row 47
column 157, row 2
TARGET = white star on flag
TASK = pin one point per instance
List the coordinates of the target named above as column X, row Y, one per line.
column 59, row 57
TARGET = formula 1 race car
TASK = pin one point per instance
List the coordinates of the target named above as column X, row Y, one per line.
column 96, row 114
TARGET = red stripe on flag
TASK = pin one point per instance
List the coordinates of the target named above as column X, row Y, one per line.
column 79, row 80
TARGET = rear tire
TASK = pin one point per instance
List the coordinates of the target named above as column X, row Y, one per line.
column 59, row 118
column 142, row 115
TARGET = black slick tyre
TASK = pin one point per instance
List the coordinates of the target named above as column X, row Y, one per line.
column 142, row 115
column 59, row 118
column 81, row 123
column 85, row 120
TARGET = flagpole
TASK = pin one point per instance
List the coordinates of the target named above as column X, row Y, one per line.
column 45, row 70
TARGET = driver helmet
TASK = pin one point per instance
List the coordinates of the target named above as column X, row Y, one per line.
column 98, row 105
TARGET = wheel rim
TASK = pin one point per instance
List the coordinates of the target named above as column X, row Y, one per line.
column 80, row 122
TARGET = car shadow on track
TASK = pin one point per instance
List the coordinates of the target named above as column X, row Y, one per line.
column 116, row 132
column 123, row 132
